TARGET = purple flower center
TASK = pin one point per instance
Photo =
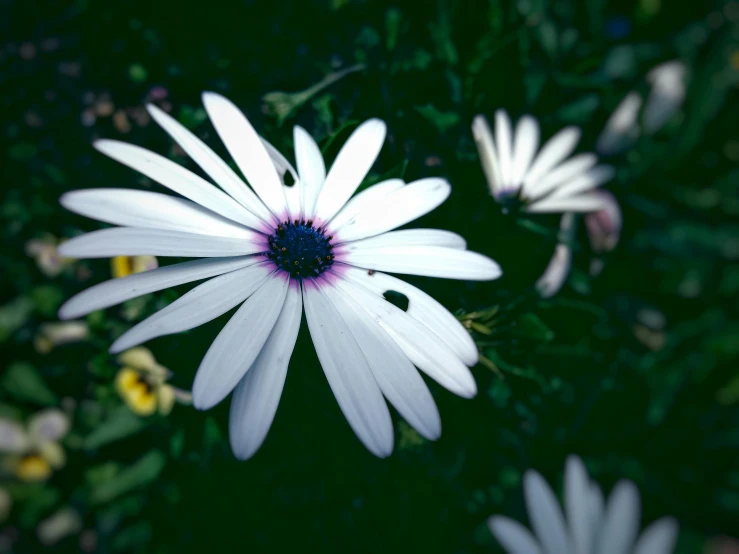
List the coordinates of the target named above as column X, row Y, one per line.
column 301, row 249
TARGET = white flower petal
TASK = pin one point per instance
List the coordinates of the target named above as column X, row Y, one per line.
column 621, row 520
column 311, row 169
column 363, row 200
column 622, row 127
column 129, row 241
column 577, row 500
column 177, row 178
column 292, row 192
column 430, row 261
column 563, row 173
column 247, row 150
column 398, row 380
column 13, row 438
column 426, row 350
column 545, row 514
column 257, row 395
column 348, row 372
column 395, row 209
column 350, row 168
column 582, row 203
column 513, row 536
column 558, row 269
column 552, row 153
column 503, row 138
column 595, row 506
column 48, row 425
column 200, row 305
column 239, row 343
column 659, row 538
column 589, row 180
column 150, row 210
column 524, row 147
column 115, row 291
column 424, row 309
column 488, row 156
column 212, row 164
column 409, row 237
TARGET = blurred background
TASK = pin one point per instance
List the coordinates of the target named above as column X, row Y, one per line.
column 632, row 365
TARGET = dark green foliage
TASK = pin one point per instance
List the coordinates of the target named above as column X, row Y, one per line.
column 635, row 370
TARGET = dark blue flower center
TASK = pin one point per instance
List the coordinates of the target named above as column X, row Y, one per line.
column 301, row 249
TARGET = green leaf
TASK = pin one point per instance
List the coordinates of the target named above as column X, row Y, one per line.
column 393, row 18
column 13, row 316
column 140, row 474
column 120, row 424
column 47, row 299
column 530, row 326
column 25, row 383
column 443, row 121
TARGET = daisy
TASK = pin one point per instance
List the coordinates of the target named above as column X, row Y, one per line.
column 549, row 181
column 34, row 450
column 276, row 250
column 667, row 90
column 589, row 524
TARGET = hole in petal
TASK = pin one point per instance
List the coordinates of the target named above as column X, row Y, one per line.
column 396, row 299
column 287, row 179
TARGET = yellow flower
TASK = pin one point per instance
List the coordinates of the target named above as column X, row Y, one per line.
column 141, row 383
column 34, row 450
column 123, row 266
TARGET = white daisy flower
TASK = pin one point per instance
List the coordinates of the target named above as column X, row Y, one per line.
column 549, row 181
column 667, row 90
column 274, row 250
column 589, row 524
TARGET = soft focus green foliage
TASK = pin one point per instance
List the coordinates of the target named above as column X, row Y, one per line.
column 633, row 365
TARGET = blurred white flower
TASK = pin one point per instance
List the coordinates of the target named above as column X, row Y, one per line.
column 558, row 269
column 58, row 334
column 547, row 181
column 44, row 252
column 61, row 524
column 589, row 524
column 666, row 95
column 33, row 451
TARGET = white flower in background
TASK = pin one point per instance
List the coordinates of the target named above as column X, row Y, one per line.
column 33, row 451
column 273, row 249
column 559, row 266
column 666, row 95
column 44, row 251
column 547, row 181
column 58, row 526
column 55, row 334
column 589, row 524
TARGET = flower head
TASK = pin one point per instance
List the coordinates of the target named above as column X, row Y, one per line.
column 549, row 181
column 33, row 451
column 667, row 89
column 142, row 383
column 44, row 252
column 276, row 250
column 589, row 524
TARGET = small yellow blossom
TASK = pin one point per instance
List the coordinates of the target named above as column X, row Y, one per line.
column 142, row 384
column 33, row 452
column 123, row 266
